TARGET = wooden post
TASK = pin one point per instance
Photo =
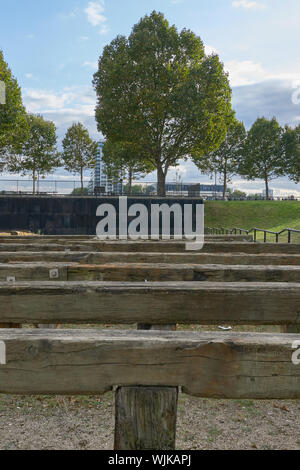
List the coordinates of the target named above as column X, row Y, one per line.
column 145, row 417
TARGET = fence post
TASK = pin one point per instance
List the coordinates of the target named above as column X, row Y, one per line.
column 145, row 417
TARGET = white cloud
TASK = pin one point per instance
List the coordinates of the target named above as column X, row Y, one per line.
column 84, row 38
column 247, row 72
column 37, row 101
column 28, row 75
column 95, row 12
column 93, row 65
column 95, row 15
column 248, row 5
column 210, row 50
column 244, row 72
column 73, row 104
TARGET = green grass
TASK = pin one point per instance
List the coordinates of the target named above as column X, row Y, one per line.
column 269, row 215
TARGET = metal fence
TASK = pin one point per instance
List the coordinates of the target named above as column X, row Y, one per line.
column 66, row 187
column 287, row 232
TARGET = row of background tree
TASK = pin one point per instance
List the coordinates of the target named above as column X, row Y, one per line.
column 160, row 99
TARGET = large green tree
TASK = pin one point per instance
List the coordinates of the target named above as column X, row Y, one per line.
column 79, row 150
column 263, row 152
column 225, row 160
column 291, row 148
column 13, row 123
column 38, row 155
column 159, row 91
column 121, row 161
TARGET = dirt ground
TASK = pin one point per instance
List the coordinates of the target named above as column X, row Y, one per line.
column 45, row 423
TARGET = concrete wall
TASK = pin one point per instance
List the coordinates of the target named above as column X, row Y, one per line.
column 62, row 215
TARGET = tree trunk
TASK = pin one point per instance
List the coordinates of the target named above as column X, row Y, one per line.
column 161, row 182
column 81, row 179
column 33, row 182
column 130, row 176
column 224, row 183
column 38, row 182
column 215, row 185
column 267, row 189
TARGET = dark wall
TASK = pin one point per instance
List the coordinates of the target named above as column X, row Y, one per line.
column 62, row 215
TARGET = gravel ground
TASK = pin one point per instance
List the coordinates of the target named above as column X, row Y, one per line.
column 56, row 423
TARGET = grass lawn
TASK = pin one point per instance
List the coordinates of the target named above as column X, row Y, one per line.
column 269, row 215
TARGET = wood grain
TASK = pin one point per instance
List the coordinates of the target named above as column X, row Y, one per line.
column 130, row 272
column 145, row 418
column 215, row 365
column 169, row 258
column 151, row 302
column 158, row 246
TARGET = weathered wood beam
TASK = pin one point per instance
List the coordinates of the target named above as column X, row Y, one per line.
column 178, row 258
column 158, row 246
column 156, row 303
column 214, row 365
column 147, row 271
column 65, row 239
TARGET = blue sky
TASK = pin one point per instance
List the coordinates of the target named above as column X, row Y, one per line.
column 52, row 47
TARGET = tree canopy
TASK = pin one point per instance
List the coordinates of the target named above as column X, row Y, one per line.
column 121, row 161
column 291, row 148
column 37, row 154
column 13, row 123
column 159, row 91
column 79, row 150
column 225, row 160
column 263, row 150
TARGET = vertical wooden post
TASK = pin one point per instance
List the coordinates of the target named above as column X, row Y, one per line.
column 145, row 417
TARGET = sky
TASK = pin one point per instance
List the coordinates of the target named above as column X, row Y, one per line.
column 52, row 48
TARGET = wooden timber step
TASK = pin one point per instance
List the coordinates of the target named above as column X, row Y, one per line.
column 212, row 364
column 159, row 246
column 130, row 272
column 210, row 303
column 68, row 239
column 275, row 259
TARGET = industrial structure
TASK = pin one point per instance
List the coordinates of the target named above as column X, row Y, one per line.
column 100, row 183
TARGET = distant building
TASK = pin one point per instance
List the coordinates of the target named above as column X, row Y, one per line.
column 207, row 191
column 100, row 183
column 271, row 193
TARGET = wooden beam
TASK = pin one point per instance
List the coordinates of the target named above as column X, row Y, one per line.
column 156, row 303
column 177, row 258
column 158, row 246
column 66, row 239
column 147, row 271
column 213, row 364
